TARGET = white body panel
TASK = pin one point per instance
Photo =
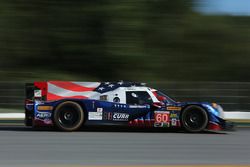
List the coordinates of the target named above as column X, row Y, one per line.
column 121, row 93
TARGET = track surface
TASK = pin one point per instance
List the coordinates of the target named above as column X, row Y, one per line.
column 23, row 146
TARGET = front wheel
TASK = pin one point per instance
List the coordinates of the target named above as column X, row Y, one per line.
column 194, row 119
column 68, row 116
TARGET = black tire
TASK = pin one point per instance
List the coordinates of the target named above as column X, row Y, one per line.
column 194, row 119
column 68, row 116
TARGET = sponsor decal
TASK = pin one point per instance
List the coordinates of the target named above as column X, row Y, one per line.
column 95, row 116
column 44, row 108
column 173, row 115
column 172, row 108
column 107, row 116
column 158, row 124
column 120, row 117
column 173, row 122
column 43, row 115
column 115, row 116
column 120, row 105
column 99, row 109
column 137, row 106
column 37, row 93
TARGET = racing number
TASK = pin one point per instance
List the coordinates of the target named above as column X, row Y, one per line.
column 162, row 117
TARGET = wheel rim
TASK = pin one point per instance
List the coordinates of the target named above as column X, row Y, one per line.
column 68, row 116
column 194, row 119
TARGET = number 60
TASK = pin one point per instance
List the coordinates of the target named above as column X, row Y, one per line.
column 162, row 117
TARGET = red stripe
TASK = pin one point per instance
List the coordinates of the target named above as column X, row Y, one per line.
column 71, row 86
column 51, row 96
column 214, row 126
column 141, row 123
column 148, row 123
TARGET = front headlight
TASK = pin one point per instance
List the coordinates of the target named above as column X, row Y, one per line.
column 219, row 109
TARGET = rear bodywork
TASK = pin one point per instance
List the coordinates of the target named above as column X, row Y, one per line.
column 43, row 97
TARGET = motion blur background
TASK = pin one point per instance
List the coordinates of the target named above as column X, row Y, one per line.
column 195, row 49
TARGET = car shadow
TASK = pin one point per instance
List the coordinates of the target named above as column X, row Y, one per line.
column 106, row 129
column 145, row 130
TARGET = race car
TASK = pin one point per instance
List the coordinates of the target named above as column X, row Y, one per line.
column 68, row 106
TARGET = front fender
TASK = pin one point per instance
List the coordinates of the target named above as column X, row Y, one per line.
column 216, row 121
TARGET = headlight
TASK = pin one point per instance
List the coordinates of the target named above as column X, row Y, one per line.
column 219, row 109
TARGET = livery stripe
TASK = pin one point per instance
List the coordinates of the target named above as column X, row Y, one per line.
column 53, row 89
column 88, row 84
column 51, row 96
column 72, row 86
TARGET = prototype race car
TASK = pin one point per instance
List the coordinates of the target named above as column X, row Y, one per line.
column 71, row 105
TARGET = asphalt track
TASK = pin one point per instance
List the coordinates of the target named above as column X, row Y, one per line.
column 24, row 147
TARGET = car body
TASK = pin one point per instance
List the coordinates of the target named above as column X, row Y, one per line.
column 71, row 105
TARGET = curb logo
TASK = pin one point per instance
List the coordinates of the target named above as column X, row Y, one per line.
column 120, row 117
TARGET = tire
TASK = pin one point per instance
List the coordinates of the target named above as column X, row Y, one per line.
column 194, row 119
column 68, row 116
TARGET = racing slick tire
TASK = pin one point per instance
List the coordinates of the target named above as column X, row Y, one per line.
column 68, row 116
column 194, row 119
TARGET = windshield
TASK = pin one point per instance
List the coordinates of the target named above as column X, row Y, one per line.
column 163, row 97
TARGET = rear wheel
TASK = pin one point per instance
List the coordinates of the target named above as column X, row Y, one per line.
column 68, row 116
column 194, row 119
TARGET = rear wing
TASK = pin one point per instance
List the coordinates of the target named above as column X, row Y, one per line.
column 56, row 90
column 29, row 91
column 36, row 90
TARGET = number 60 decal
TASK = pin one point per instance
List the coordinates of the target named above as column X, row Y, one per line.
column 161, row 117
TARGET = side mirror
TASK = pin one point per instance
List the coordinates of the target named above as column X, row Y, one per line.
column 158, row 104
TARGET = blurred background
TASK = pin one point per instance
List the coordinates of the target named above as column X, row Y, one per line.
column 195, row 50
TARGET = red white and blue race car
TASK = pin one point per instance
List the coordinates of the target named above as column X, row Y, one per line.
column 71, row 105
